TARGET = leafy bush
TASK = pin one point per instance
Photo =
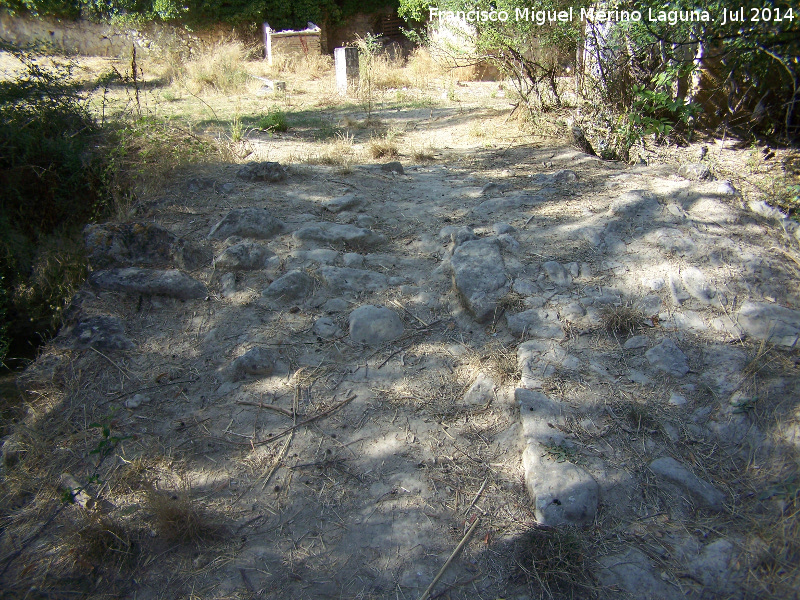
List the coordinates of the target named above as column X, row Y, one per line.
column 51, row 173
column 274, row 120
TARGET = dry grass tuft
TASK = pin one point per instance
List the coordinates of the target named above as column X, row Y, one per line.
column 555, row 559
column 424, row 153
column 512, row 301
column 499, row 361
column 622, row 320
column 220, row 68
column 99, row 540
column 336, row 153
column 382, row 147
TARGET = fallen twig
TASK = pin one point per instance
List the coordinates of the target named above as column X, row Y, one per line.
column 456, row 552
column 278, row 460
column 324, row 413
column 283, row 411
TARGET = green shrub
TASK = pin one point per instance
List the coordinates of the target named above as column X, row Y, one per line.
column 51, row 173
column 273, row 121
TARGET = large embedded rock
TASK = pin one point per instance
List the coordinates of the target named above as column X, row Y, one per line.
column 770, row 322
column 668, row 357
column 632, row 573
column 482, row 391
column 271, row 172
column 479, row 277
column 695, row 172
column 345, row 279
column 257, row 362
column 295, row 285
column 141, row 245
column 562, row 493
column 671, row 470
column 335, row 233
column 102, row 332
column 374, row 325
column 133, row 280
column 346, row 202
column 246, row 255
column 557, row 274
column 251, row 222
column 536, row 322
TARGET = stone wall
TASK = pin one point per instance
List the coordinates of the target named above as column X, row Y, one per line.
column 292, row 43
column 98, row 39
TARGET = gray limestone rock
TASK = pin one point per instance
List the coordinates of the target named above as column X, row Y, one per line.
column 649, row 305
column 251, row 222
column 695, row 172
column 705, row 493
column 321, row 256
column 141, row 244
column 557, row 274
column 765, row 210
column 366, row 221
column 501, row 228
column 713, row 567
column 257, row 361
column 246, row 255
column 393, row 167
column 335, row 305
column 673, row 241
column 636, row 342
column 481, row 392
column 560, row 177
column 676, row 291
column 459, row 235
column 536, row 322
column 668, row 357
column 725, row 188
column 771, row 322
column 374, row 325
column 697, row 285
column 326, row 328
column 722, row 368
column 615, row 245
column 353, row 260
column 294, row 285
column 479, row 277
column 335, row 233
column 345, row 279
column 271, row 172
column 102, row 332
column 563, row 493
column 133, row 280
column 228, row 284
column 632, row 573
column 539, row 416
column 346, row 202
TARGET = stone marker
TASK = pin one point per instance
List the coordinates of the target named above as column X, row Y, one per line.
column 346, row 64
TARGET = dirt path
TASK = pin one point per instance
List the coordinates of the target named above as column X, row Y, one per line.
column 623, row 308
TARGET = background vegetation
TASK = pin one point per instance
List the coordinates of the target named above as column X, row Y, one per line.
column 279, row 14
